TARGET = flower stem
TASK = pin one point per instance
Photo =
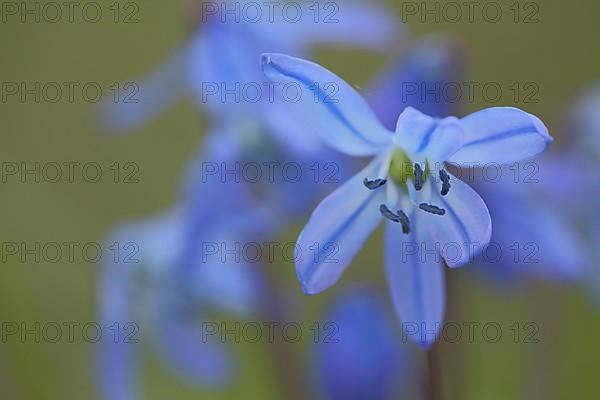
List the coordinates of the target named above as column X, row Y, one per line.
column 287, row 366
column 457, row 303
column 544, row 375
column 433, row 386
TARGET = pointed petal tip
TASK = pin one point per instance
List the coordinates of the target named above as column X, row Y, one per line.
column 502, row 135
column 267, row 63
column 265, row 59
column 424, row 341
column 308, row 289
column 268, row 59
column 541, row 128
column 537, row 123
column 426, row 345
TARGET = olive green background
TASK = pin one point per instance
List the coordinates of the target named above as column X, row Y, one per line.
column 558, row 53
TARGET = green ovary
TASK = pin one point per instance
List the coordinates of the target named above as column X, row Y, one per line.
column 402, row 168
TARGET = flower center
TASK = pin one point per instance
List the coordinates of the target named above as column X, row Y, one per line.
column 402, row 170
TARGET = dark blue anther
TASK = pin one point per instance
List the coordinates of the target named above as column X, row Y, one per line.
column 445, row 178
column 401, row 217
column 404, row 221
column 386, row 212
column 374, row 184
column 432, row 209
column 418, row 177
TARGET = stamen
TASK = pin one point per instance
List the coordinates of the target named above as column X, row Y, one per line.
column 404, row 221
column 445, row 182
column 374, row 184
column 401, row 217
column 418, row 177
column 386, row 212
column 432, row 209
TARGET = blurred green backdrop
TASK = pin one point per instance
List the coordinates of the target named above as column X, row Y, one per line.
column 558, row 53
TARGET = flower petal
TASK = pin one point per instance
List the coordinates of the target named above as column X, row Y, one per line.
column 416, row 280
column 117, row 367
column 465, row 229
column 117, row 360
column 331, row 106
column 352, row 25
column 222, row 60
column 530, row 235
column 191, row 352
column 501, row 135
column 425, row 137
column 366, row 357
column 337, row 230
column 143, row 99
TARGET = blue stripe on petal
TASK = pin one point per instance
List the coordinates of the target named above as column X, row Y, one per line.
column 455, row 218
column 341, row 117
column 326, row 100
column 338, row 228
column 428, row 137
column 502, row 135
column 416, row 280
column 466, row 227
column 335, row 236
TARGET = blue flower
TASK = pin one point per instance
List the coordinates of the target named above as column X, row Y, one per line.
column 533, row 232
column 148, row 295
column 359, row 354
column 221, row 57
column 429, row 212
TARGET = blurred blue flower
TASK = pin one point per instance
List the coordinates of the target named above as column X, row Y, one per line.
column 143, row 289
column 359, row 354
column 544, row 227
column 437, row 214
column 220, row 66
column 584, row 161
column 534, row 235
column 584, row 122
column 421, row 77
